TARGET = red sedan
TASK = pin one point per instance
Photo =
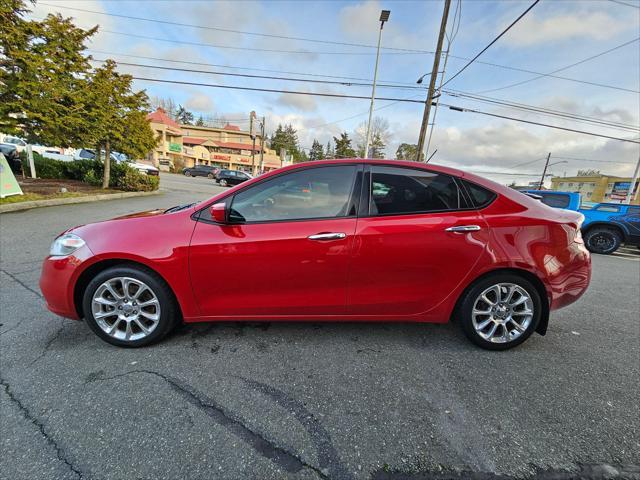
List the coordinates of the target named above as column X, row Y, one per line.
column 351, row 240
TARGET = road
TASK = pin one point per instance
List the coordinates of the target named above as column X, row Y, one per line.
column 309, row 401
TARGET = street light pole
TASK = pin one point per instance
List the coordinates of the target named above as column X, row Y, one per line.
column 384, row 16
column 432, row 81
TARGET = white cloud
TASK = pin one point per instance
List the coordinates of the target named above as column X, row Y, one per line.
column 200, row 102
column 534, row 29
column 305, row 103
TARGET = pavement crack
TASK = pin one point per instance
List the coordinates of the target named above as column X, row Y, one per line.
column 60, row 453
column 53, row 338
column 265, row 447
column 20, row 282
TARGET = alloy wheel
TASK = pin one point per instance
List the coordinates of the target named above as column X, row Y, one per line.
column 126, row 308
column 502, row 313
column 602, row 242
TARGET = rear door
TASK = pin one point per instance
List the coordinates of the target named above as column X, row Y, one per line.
column 416, row 242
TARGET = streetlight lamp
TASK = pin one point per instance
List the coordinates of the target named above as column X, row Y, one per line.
column 384, row 16
column 546, row 166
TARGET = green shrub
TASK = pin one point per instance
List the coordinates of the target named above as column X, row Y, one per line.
column 122, row 176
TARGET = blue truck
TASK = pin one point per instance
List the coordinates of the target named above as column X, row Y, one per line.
column 606, row 225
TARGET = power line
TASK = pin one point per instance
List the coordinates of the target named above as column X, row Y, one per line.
column 493, row 41
column 251, row 49
column 360, row 97
column 507, row 67
column 462, row 109
column 593, row 160
column 625, row 3
column 543, row 111
column 227, row 30
column 204, row 64
column 566, row 68
column 290, row 79
column 273, row 90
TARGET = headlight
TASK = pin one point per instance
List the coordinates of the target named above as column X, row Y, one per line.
column 65, row 245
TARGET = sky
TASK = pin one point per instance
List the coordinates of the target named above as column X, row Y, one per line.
column 244, row 36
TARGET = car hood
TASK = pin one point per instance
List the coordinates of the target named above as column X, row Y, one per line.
column 142, row 165
column 146, row 213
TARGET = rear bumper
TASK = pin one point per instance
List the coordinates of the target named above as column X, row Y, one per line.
column 568, row 280
column 58, row 279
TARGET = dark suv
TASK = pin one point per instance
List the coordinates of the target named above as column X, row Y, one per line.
column 201, row 171
column 231, row 177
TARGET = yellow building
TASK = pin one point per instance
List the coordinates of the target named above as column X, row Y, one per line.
column 596, row 188
column 189, row 145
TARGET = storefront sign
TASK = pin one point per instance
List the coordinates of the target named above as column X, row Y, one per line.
column 175, row 147
column 226, row 158
column 620, row 190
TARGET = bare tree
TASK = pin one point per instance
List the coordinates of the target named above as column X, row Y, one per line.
column 380, row 136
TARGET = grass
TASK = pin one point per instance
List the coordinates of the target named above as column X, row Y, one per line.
column 28, row 197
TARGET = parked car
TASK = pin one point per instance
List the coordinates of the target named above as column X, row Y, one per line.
column 18, row 142
column 376, row 241
column 89, row 154
column 201, row 171
column 231, row 177
column 606, row 226
column 10, row 152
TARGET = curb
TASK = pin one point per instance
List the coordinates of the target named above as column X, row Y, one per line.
column 16, row 207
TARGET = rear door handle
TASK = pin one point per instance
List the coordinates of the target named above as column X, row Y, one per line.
column 323, row 237
column 463, row 228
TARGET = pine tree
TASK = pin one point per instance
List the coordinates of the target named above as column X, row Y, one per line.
column 287, row 137
column 408, row 151
column 316, row 152
column 329, row 151
column 184, row 116
column 343, row 146
column 200, row 121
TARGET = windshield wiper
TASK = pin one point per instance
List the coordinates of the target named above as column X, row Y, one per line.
column 179, row 207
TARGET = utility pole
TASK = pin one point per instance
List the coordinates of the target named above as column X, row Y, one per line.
column 633, row 184
column 544, row 172
column 432, row 81
column 252, row 134
column 262, row 145
column 384, row 16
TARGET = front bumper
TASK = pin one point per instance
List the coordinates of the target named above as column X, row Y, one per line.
column 58, row 279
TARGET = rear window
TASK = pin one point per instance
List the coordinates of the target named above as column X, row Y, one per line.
column 556, row 201
column 480, row 196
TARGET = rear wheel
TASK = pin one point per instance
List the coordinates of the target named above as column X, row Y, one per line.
column 602, row 240
column 210, row 175
column 500, row 311
column 129, row 306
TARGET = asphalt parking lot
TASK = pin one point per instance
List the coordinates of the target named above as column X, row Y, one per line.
column 310, row 401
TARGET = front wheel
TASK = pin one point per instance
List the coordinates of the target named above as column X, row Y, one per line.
column 187, row 173
column 223, row 183
column 210, row 176
column 602, row 240
column 500, row 311
column 129, row 306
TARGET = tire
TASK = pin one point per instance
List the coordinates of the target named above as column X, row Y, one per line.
column 210, row 176
column 187, row 173
column 512, row 326
column 223, row 182
column 126, row 331
column 602, row 240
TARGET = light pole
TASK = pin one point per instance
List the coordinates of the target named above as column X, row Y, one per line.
column 384, row 16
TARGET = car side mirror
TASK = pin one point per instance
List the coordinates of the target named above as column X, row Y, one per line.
column 218, row 212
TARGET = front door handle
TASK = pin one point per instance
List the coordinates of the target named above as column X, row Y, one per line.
column 323, row 237
column 463, row 228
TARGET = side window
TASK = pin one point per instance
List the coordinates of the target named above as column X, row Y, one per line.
column 397, row 190
column 323, row 192
column 480, row 196
column 607, row 208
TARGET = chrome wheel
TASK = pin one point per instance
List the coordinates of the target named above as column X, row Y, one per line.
column 126, row 308
column 502, row 313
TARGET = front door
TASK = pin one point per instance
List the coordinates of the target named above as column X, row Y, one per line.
column 411, row 249
column 285, row 250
